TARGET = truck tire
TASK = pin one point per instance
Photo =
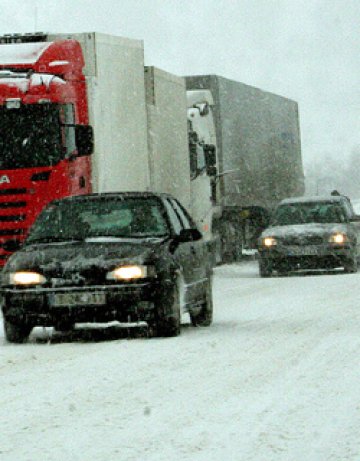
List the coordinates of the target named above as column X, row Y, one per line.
column 265, row 269
column 15, row 332
column 168, row 317
column 205, row 316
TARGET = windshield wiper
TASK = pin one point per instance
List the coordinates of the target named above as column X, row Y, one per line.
column 51, row 239
column 120, row 236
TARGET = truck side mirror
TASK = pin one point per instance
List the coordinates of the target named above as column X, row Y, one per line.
column 84, row 139
column 210, row 159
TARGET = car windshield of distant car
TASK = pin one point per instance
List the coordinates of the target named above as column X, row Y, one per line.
column 78, row 220
column 306, row 213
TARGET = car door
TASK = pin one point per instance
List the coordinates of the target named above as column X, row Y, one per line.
column 355, row 226
column 192, row 254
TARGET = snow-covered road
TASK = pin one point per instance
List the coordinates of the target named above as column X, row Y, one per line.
column 276, row 377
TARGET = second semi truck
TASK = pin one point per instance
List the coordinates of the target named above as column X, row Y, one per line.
column 258, row 158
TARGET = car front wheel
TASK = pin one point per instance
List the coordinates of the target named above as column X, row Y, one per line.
column 168, row 317
column 205, row 316
column 64, row 326
column 16, row 333
column 351, row 266
column 265, row 269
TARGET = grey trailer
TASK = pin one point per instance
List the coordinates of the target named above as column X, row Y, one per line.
column 258, row 159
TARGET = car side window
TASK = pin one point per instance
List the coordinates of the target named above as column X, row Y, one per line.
column 173, row 216
column 182, row 214
column 349, row 209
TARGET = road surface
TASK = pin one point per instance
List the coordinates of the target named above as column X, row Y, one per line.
column 276, row 377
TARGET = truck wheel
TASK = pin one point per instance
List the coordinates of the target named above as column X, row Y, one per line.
column 265, row 269
column 16, row 333
column 168, row 317
column 205, row 316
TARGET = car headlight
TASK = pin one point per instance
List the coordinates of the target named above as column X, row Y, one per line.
column 26, row 278
column 131, row 272
column 338, row 238
column 269, row 242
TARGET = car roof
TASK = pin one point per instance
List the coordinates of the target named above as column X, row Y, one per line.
column 314, row 199
column 115, row 195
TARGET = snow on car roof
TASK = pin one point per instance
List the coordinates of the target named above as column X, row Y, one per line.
column 315, row 199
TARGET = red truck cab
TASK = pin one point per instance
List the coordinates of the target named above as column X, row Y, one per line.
column 45, row 140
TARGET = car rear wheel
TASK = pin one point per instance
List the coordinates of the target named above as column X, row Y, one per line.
column 265, row 269
column 168, row 317
column 205, row 316
column 16, row 332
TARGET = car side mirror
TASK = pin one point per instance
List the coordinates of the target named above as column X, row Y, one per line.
column 188, row 235
column 84, row 136
column 12, row 245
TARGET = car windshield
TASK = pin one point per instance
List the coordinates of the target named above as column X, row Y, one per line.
column 311, row 212
column 78, row 220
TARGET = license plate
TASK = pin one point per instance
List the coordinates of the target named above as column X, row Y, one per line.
column 77, row 299
column 304, row 251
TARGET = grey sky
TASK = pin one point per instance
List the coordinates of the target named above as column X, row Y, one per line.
column 307, row 50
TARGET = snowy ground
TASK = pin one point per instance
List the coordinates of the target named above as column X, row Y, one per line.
column 275, row 378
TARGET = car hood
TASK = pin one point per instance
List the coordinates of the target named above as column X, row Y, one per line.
column 77, row 256
column 305, row 230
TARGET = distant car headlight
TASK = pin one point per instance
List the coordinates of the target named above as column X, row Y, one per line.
column 269, row 242
column 131, row 272
column 26, row 278
column 338, row 238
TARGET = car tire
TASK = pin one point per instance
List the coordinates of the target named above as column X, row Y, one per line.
column 351, row 266
column 168, row 317
column 205, row 316
column 16, row 332
column 64, row 327
column 283, row 273
column 265, row 269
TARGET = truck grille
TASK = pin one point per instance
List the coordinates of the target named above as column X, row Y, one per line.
column 13, row 191
column 12, row 217
column 12, row 232
column 4, row 205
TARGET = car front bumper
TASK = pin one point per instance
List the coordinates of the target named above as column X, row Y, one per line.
column 38, row 306
column 326, row 256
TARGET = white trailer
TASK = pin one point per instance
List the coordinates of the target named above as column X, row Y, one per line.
column 139, row 118
column 167, row 134
column 114, row 72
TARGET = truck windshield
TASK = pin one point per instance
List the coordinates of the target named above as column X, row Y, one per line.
column 30, row 136
column 82, row 219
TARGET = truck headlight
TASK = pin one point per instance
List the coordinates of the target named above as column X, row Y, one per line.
column 269, row 242
column 338, row 238
column 26, row 278
column 131, row 272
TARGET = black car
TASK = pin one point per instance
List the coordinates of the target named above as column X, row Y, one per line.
column 309, row 233
column 101, row 257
